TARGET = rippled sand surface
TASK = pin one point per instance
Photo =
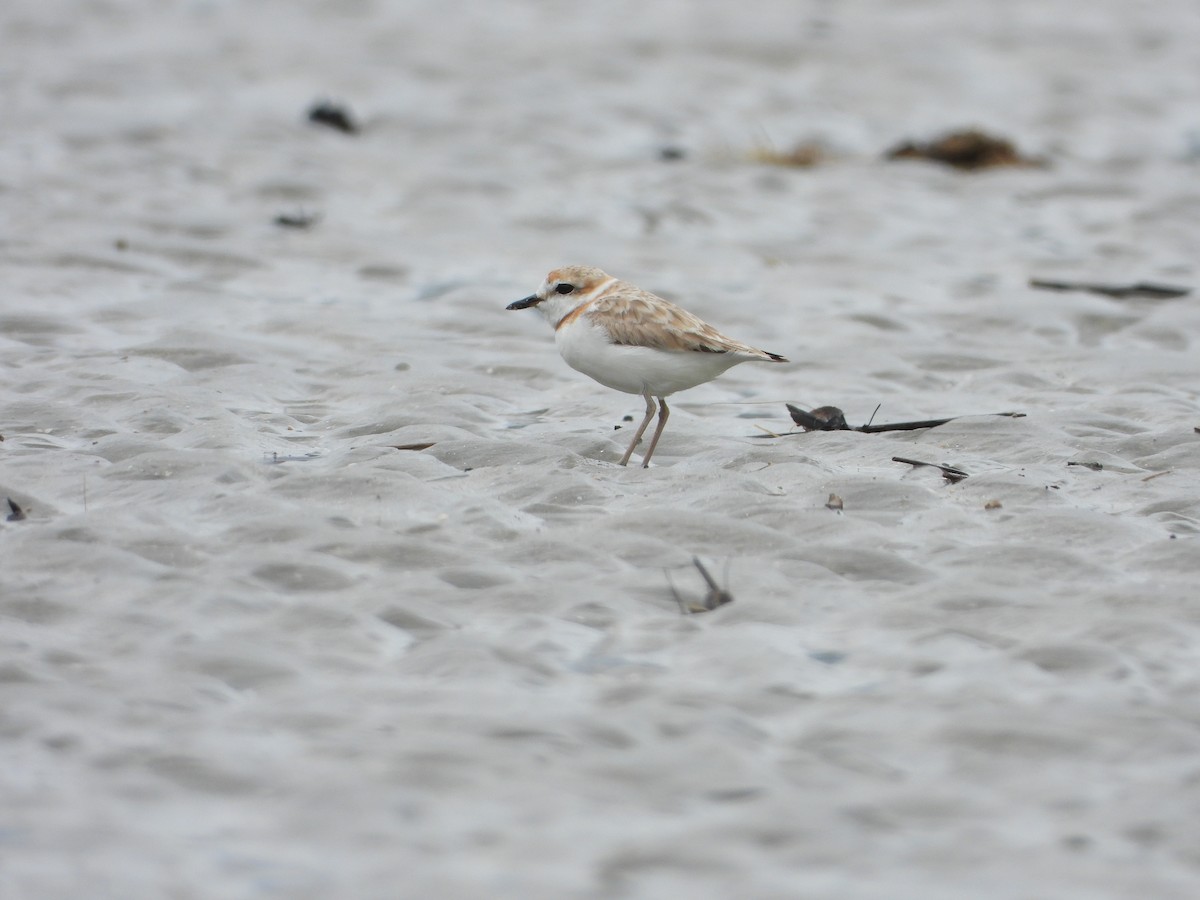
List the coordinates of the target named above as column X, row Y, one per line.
column 248, row 648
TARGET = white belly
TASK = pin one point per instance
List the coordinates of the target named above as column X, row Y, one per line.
column 635, row 370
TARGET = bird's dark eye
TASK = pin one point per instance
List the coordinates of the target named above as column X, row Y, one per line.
column 565, row 288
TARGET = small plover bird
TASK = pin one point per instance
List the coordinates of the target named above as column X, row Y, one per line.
column 633, row 341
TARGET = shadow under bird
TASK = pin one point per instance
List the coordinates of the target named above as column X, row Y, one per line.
column 634, row 341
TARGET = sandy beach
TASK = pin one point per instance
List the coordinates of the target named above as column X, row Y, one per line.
column 251, row 649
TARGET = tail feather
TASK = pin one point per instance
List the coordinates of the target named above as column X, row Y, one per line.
column 745, row 351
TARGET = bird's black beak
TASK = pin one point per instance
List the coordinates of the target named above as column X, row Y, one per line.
column 531, row 300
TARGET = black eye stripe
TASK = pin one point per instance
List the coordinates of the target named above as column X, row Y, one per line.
column 565, row 288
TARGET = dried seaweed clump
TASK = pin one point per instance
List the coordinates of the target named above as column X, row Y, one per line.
column 969, row 150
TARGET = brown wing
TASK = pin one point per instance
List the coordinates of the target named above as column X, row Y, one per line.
column 639, row 319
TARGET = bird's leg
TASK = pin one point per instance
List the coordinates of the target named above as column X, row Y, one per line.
column 641, row 428
column 663, row 412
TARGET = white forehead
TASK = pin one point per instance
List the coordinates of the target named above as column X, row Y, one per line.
column 579, row 276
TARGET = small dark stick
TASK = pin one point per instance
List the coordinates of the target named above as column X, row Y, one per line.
column 914, row 426
column 715, row 597
column 300, row 220
column 830, row 418
column 336, row 117
column 17, row 513
column 951, row 474
column 1142, row 289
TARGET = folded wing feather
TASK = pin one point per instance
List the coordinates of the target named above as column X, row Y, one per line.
column 635, row 319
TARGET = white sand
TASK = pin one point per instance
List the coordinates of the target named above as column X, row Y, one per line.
column 249, row 650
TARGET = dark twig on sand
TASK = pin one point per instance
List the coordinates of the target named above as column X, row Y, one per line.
column 716, row 596
column 951, row 474
column 1140, row 289
column 1087, row 464
column 17, row 513
column 277, row 458
column 334, row 116
column 300, row 220
column 830, row 418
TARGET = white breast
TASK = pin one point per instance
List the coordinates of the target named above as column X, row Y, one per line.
column 587, row 349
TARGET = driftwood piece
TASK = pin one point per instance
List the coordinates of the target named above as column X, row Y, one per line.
column 950, row 473
column 830, row 418
column 1146, row 290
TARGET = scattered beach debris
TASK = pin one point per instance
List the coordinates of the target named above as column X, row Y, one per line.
column 325, row 112
column 950, row 473
column 823, row 418
column 715, row 597
column 803, row 155
column 298, row 220
column 1141, row 289
column 1094, row 466
column 968, row 150
column 993, row 504
column 835, row 503
column 830, row 418
column 277, row 458
column 425, row 446
column 17, row 514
